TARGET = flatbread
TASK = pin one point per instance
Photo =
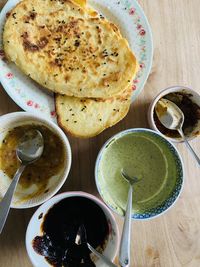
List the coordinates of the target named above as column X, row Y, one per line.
column 88, row 117
column 67, row 49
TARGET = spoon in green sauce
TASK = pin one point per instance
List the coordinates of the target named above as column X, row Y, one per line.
column 125, row 245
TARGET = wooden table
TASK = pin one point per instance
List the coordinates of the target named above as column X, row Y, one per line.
column 172, row 240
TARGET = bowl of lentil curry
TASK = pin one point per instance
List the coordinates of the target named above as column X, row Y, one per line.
column 43, row 178
column 189, row 102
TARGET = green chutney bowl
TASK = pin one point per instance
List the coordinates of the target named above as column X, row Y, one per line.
column 151, row 158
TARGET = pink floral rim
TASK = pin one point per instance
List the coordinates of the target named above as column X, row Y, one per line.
column 132, row 11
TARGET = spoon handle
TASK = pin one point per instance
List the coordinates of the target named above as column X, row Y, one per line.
column 189, row 146
column 7, row 199
column 101, row 256
column 124, row 253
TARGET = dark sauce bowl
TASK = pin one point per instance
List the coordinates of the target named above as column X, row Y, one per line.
column 47, row 221
column 190, row 107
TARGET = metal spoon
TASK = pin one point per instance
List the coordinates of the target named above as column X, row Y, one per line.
column 29, row 150
column 81, row 237
column 172, row 118
column 125, row 245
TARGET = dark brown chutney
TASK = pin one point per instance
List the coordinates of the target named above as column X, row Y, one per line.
column 50, row 163
column 60, row 227
column 190, row 110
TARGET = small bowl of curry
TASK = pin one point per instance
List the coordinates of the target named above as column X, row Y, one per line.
column 43, row 178
column 189, row 102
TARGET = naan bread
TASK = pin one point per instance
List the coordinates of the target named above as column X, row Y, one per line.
column 68, row 48
column 88, row 117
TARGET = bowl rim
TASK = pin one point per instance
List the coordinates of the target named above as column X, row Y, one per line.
column 131, row 130
column 52, row 201
column 41, row 119
column 162, row 93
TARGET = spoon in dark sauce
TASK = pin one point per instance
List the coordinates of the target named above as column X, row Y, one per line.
column 172, row 117
column 81, row 239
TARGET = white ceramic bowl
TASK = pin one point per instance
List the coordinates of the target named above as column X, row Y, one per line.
column 170, row 200
column 20, row 200
column 34, row 229
column 195, row 97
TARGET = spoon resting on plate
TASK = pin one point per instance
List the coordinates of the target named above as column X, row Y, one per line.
column 171, row 116
column 29, row 149
column 125, row 244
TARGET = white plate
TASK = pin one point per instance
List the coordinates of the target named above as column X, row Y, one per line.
column 126, row 14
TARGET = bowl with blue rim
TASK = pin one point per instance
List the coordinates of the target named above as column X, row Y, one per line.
column 147, row 155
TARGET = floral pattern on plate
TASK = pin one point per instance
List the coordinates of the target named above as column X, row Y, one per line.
column 126, row 14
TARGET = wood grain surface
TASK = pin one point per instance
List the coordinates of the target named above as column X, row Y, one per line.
column 172, row 240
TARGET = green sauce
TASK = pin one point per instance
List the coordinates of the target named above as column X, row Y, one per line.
column 144, row 156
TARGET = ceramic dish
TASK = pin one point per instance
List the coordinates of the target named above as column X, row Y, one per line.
column 21, row 198
column 34, row 229
column 130, row 19
column 194, row 96
column 114, row 190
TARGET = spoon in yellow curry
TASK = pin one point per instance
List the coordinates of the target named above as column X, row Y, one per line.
column 172, row 117
column 29, row 149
